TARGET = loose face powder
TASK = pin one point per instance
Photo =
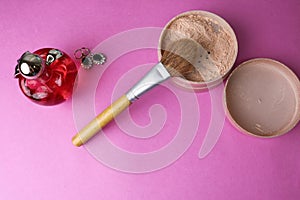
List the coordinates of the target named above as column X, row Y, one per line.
column 262, row 98
column 218, row 41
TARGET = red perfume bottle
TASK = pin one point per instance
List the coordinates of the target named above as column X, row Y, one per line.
column 47, row 76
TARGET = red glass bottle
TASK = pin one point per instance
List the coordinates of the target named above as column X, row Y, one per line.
column 47, row 76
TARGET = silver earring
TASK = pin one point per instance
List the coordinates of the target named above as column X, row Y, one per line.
column 88, row 59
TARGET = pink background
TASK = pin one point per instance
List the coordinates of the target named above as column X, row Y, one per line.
column 37, row 159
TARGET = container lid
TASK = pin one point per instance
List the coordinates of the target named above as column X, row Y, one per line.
column 262, row 98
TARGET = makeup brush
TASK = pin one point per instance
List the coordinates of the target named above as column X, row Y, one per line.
column 177, row 60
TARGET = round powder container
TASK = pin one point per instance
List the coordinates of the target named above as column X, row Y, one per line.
column 262, row 98
column 218, row 43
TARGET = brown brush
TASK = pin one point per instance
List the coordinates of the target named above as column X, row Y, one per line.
column 178, row 60
column 180, row 57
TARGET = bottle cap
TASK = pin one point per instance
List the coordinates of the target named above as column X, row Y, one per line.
column 29, row 66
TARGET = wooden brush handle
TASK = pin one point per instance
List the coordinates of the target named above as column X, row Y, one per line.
column 100, row 121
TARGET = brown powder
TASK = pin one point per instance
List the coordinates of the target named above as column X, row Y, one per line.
column 219, row 47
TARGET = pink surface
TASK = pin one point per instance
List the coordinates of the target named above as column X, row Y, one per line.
column 37, row 159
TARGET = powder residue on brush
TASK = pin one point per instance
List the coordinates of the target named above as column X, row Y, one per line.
column 218, row 44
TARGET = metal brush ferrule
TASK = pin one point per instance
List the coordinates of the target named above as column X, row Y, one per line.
column 155, row 76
